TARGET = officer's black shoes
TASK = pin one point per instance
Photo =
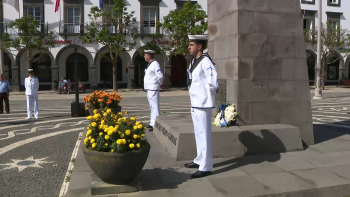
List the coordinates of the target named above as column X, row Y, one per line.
column 149, row 127
column 200, row 174
column 191, row 165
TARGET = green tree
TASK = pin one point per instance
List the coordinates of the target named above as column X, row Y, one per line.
column 122, row 38
column 334, row 41
column 29, row 38
column 177, row 25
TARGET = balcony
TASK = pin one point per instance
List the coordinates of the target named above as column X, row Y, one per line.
column 72, row 29
column 42, row 28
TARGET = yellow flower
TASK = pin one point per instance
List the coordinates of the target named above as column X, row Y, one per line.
column 131, row 145
column 126, row 112
column 137, row 123
column 120, row 113
column 102, row 122
column 144, row 128
column 94, row 124
column 138, row 136
column 135, row 136
column 106, row 130
column 92, row 140
column 111, row 127
column 116, row 127
column 112, row 150
column 114, row 130
column 124, row 119
column 105, row 127
column 100, row 133
column 140, row 126
column 89, row 117
column 105, row 114
column 95, row 111
column 89, row 131
column 106, row 144
column 110, row 132
column 93, row 145
column 106, row 137
column 143, row 135
column 90, row 137
column 86, row 140
column 109, row 111
column 119, row 141
column 127, row 132
column 122, row 135
column 100, row 126
column 123, row 141
column 87, row 134
column 135, row 127
column 138, row 145
column 88, row 128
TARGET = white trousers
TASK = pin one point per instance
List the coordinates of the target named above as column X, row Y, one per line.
column 153, row 100
column 32, row 99
column 202, row 128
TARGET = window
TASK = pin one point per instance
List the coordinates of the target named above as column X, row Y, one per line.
column 73, row 19
column 149, row 20
column 333, row 3
column 308, row 22
column 308, row 1
column 36, row 12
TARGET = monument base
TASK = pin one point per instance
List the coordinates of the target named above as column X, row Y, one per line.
column 176, row 135
column 99, row 187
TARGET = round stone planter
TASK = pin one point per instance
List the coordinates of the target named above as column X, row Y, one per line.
column 116, row 168
column 114, row 110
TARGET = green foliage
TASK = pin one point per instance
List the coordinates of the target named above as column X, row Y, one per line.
column 29, row 38
column 124, row 37
column 176, row 27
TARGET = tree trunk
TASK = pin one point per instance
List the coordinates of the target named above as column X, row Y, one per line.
column 115, row 80
column 29, row 57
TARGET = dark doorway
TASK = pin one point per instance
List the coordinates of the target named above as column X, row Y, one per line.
column 333, row 68
column 140, row 66
column 106, row 71
column 42, row 68
column 311, row 62
column 83, row 68
column 178, row 71
column 7, row 63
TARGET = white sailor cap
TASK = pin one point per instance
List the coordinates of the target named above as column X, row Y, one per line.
column 30, row 70
column 149, row 51
column 197, row 37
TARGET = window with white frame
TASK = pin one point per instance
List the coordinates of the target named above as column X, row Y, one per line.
column 308, row 1
column 149, row 20
column 36, row 12
column 333, row 2
column 73, row 19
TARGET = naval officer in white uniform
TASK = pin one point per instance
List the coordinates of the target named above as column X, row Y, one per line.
column 31, row 85
column 152, row 81
column 203, row 84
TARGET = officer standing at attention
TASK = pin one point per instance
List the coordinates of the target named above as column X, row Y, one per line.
column 202, row 83
column 31, row 85
column 152, row 81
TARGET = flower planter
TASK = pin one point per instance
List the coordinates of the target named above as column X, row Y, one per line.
column 114, row 110
column 116, row 168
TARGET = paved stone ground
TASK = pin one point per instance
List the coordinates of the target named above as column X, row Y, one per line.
column 53, row 139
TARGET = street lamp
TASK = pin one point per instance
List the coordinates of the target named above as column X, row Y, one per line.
column 76, row 105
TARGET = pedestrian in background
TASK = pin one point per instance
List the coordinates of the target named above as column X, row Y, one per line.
column 32, row 86
column 4, row 94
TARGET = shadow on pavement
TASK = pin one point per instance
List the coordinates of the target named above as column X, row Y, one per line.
column 323, row 132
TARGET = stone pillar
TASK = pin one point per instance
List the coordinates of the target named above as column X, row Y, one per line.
column 15, row 87
column 131, row 76
column 167, row 75
column 93, row 77
column 55, row 76
column 258, row 46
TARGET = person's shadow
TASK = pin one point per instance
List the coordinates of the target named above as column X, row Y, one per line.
column 269, row 143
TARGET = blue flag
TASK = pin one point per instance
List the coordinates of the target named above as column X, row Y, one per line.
column 101, row 4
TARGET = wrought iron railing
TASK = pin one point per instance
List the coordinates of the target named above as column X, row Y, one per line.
column 41, row 28
column 72, row 28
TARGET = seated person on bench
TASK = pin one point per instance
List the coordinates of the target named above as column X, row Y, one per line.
column 61, row 86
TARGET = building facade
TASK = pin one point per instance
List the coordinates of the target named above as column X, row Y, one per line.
column 336, row 13
column 68, row 23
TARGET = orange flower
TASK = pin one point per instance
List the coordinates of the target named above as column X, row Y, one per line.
column 100, row 100
column 87, row 107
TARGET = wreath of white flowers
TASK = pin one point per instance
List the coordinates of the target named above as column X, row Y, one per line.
column 230, row 116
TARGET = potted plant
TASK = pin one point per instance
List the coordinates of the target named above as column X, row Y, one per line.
column 115, row 146
column 101, row 101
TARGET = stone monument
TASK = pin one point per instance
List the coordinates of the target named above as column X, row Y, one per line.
column 259, row 50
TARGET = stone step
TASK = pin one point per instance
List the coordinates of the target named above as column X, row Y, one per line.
column 175, row 133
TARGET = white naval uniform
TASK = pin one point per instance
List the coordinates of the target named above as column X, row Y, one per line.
column 32, row 86
column 152, row 81
column 204, row 84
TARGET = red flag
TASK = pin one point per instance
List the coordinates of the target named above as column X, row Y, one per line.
column 57, row 5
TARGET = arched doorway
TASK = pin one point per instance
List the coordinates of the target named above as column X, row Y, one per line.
column 106, row 71
column 140, row 66
column 333, row 68
column 178, row 71
column 311, row 63
column 42, row 68
column 83, row 69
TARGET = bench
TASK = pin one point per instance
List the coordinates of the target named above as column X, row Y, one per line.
column 72, row 87
column 345, row 82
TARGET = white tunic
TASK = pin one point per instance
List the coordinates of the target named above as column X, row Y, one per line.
column 153, row 76
column 31, row 85
column 204, row 84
